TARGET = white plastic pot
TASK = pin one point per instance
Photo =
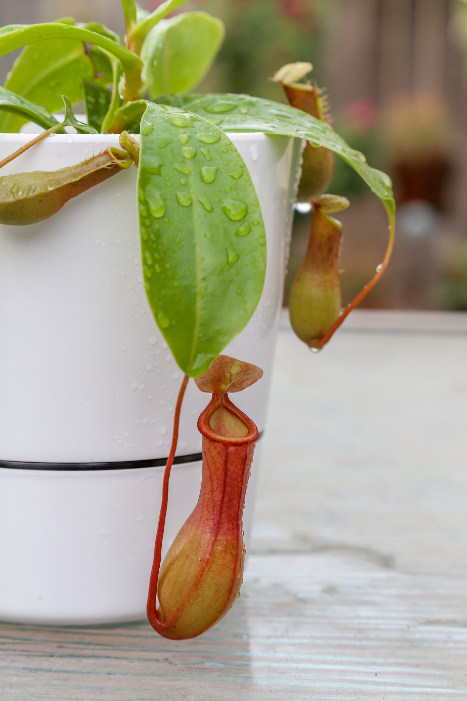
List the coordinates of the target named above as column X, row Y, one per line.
column 88, row 388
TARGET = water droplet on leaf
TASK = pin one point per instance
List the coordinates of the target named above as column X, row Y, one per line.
column 232, row 256
column 154, row 169
column 146, row 128
column 162, row 320
column 234, row 209
column 243, row 230
column 208, row 174
column 155, row 202
column 208, row 137
column 184, row 198
column 179, row 120
column 206, row 204
column 220, row 107
column 182, row 168
column 189, row 152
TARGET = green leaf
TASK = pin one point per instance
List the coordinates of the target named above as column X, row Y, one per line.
column 128, row 117
column 20, row 107
column 97, row 101
column 243, row 113
column 43, row 72
column 104, row 31
column 202, row 235
column 182, row 101
column 23, row 35
column 129, row 12
column 178, row 52
column 70, row 120
column 147, row 21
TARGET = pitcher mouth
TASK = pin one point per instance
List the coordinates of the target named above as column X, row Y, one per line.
column 205, row 429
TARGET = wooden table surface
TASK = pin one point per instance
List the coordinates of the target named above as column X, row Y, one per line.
column 356, row 585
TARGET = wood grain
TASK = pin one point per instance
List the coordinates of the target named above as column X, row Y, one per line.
column 356, row 586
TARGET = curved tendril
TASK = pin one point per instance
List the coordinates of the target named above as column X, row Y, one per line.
column 151, row 609
column 363, row 293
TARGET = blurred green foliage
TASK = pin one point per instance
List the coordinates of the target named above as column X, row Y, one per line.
column 262, row 35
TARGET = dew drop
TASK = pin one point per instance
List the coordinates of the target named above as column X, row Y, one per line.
column 243, row 110
column 163, row 141
column 237, row 174
column 208, row 137
column 208, row 174
column 146, row 129
column 189, row 152
column 184, row 198
column 206, row 154
column 243, row 230
column 162, row 320
column 154, row 169
column 220, row 107
column 234, row 209
column 232, row 256
column 155, row 202
column 179, row 120
column 183, row 138
column 148, row 257
column 205, row 204
column 183, row 168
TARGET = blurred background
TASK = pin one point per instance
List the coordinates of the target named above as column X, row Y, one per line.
column 395, row 73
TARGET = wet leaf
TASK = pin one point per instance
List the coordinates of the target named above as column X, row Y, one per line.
column 194, row 263
column 256, row 114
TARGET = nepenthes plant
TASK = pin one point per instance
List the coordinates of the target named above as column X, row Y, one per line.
column 202, row 237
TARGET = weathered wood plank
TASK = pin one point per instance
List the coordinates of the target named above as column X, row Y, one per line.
column 356, row 588
column 320, row 625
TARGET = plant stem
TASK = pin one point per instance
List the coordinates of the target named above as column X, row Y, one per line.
column 30, row 143
column 153, row 617
column 136, row 37
column 129, row 13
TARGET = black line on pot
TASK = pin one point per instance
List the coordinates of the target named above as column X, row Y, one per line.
column 93, row 466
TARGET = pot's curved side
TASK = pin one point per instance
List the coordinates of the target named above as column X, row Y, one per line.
column 86, row 378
